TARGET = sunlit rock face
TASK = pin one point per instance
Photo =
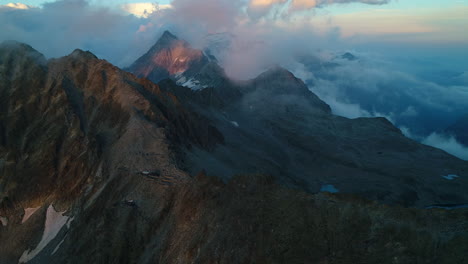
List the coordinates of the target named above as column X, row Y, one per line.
column 170, row 54
column 175, row 59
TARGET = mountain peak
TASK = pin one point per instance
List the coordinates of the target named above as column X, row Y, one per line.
column 168, row 35
column 166, row 40
column 78, row 53
column 15, row 45
column 277, row 71
column 12, row 47
column 349, row 56
column 170, row 57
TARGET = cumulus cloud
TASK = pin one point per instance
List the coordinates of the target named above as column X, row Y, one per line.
column 143, row 9
column 16, row 6
column 448, row 144
column 260, row 8
column 57, row 28
column 209, row 16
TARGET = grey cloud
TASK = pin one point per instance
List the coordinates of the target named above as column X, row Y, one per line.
column 448, row 144
column 373, row 86
column 261, row 8
column 59, row 27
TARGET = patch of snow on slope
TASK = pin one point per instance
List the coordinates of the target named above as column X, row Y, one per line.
column 28, row 212
column 58, row 246
column 53, row 224
column 451, row 177
column 448, row 207
column 4, row 220
column 329, row 188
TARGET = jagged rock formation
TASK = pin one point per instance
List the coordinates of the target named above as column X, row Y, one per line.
column 92, row 163
column 173, row 58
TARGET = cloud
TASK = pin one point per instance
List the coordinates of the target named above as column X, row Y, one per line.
column 16, row 6
column 210, row 16
column 297, row 5
column 260, row 8
column 57, row 28
column 375, row 86
column 448, row 144
column 143, row 9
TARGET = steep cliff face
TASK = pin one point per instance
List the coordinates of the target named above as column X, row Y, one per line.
column 174, row 58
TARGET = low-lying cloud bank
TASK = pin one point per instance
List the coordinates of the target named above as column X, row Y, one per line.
column 371, row 85
column 447, row 143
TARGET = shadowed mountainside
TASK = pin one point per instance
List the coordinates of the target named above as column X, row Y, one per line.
column 275, row 125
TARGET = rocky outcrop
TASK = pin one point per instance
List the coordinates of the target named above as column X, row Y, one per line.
column 173, row 58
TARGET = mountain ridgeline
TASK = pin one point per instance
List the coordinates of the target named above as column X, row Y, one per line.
column 173, row 162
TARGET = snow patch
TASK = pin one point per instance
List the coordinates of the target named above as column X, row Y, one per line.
column 329, row 188
column 4, row 220
column 58, row 246
column 451, row 177
column 191, row 83
column 234, row 123
column 448, row 207
column 53, row 224
column 28, row 212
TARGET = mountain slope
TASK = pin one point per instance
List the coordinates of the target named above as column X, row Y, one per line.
column 273, row 124
column 70, row 126
column 91, row 162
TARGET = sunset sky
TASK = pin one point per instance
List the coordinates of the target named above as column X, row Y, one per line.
column 403, row 20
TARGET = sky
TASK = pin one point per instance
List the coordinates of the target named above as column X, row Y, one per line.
column 412, row 66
